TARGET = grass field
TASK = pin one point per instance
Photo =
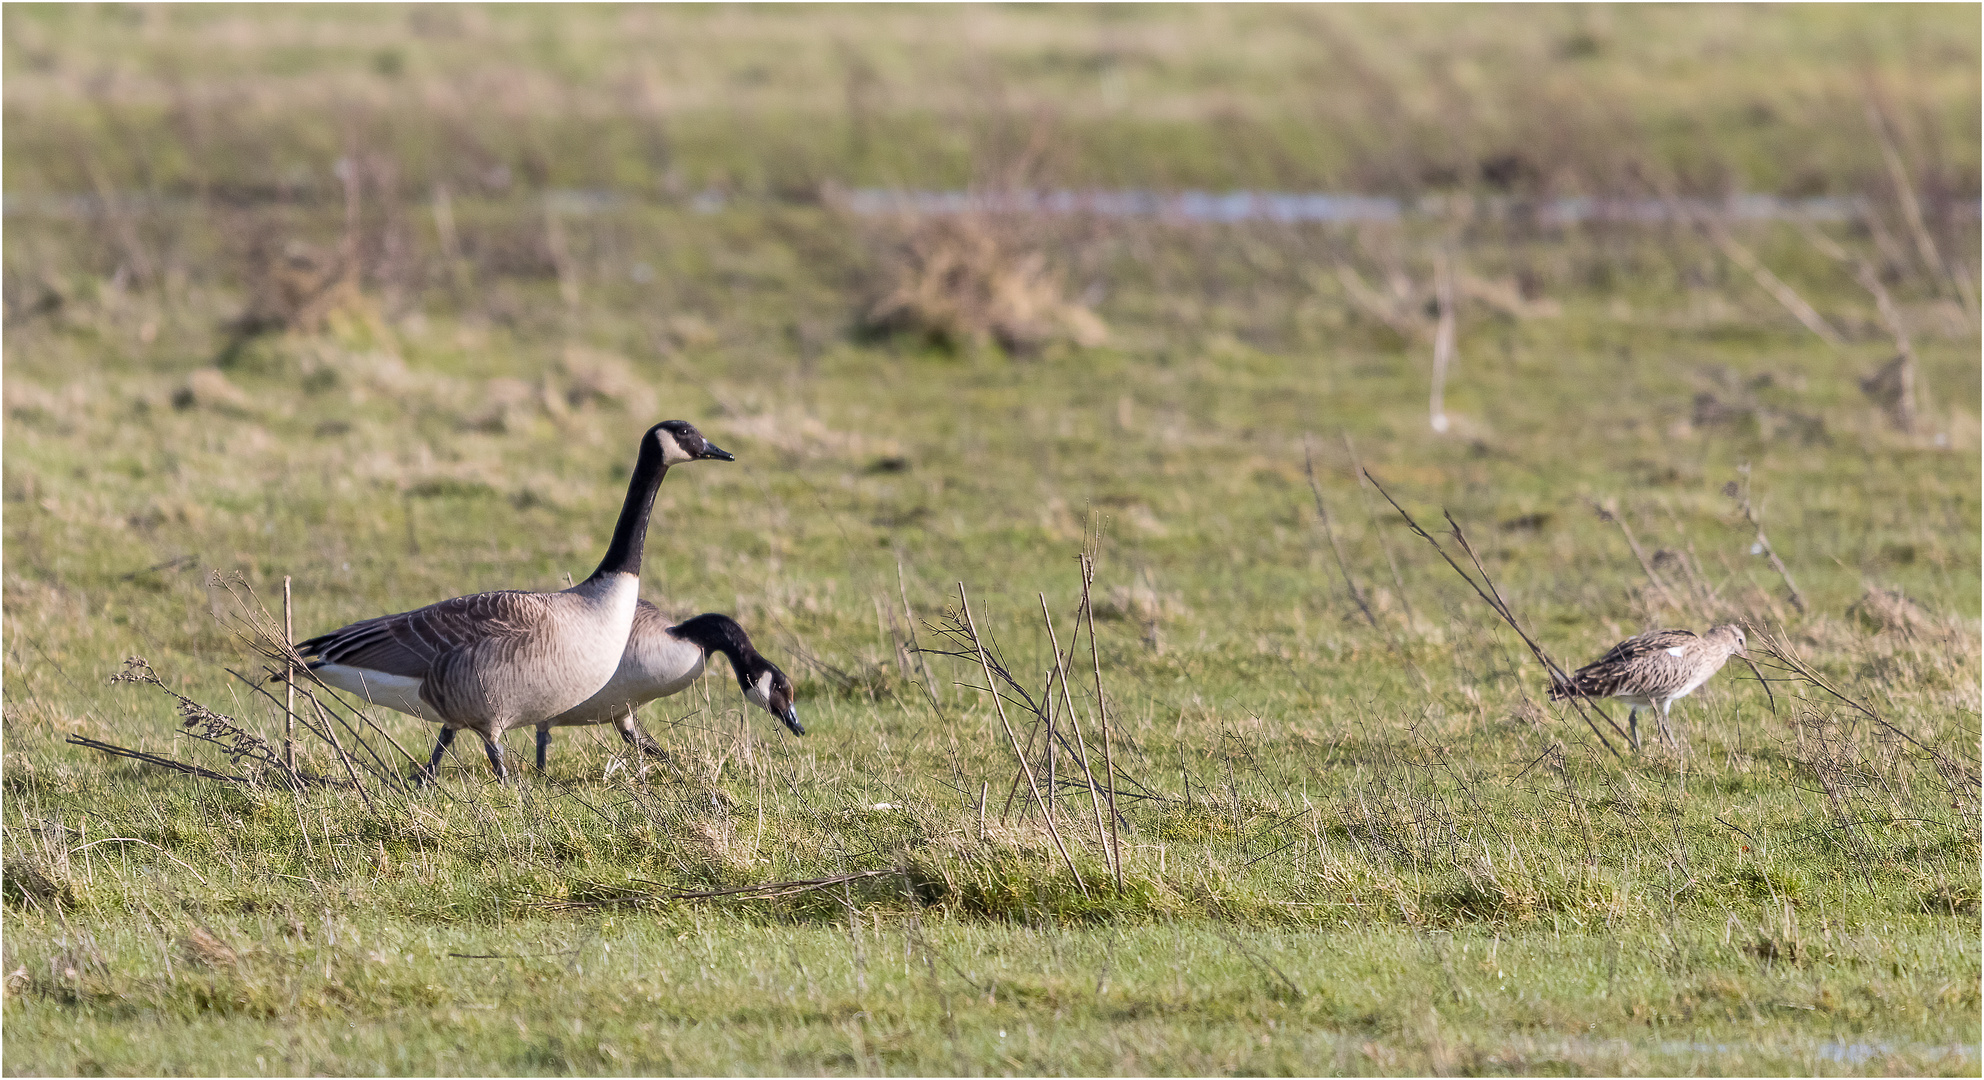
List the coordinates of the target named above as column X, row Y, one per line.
column 1354, row 834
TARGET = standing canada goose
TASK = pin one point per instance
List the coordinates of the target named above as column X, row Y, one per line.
column 498, row 660
column 661, row 660
column 1654, row 670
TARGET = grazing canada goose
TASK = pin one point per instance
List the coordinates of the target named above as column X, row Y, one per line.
column 498, row 660
column 661, row 660
column 1654, row 670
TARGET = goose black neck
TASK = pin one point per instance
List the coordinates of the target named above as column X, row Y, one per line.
column 630, row 533
column 720, row 633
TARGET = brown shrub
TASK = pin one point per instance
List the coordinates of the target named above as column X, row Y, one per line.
column 964, row 281
column 1884, row 610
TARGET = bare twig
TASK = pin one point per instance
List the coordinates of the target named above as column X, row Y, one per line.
column 770, row 890
column 1102, row 712
column 1741, row 494
column 1374, row 304
column 1371, row 513
column 1911, row 209
column 1323, row 514
column 1779, row 648
column 349, row 769
column 154, row 759
column 1443, row 337
column 1633, row 543
column 1745, row 258
column 289, row 679
column 1494, row 600
column 1905, row 391
column 999, row 703
column 1772, row 284
column 1068, row 703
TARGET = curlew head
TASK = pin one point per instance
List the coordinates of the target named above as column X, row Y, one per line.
column 1730, row 636
column 679, row 442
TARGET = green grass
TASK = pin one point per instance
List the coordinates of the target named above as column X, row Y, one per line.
column 1349, row 844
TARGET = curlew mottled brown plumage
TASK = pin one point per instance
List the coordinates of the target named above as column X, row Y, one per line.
column 1654, row 670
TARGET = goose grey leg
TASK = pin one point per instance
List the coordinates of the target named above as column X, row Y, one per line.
column 495, row 750
column 543, row 744
column 434, row 763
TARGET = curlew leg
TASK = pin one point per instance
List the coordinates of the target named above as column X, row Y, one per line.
column 543, row 744
column 495, row 750
column 434, row 763
column 1666, row 734
column 1633, row 725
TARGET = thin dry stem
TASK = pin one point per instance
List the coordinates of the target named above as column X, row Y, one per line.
column 1556, row 673
column 1102, row 712
column 1741, row 493
column 1068, row 707
column 999, row 703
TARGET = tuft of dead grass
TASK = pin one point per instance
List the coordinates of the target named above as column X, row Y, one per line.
column 1889, row 611
column 297, row 287
column 966, row 281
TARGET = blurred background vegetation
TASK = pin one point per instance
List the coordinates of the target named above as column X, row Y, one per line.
column 251, row 104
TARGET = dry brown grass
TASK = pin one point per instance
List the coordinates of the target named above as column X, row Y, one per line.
column 970, row 280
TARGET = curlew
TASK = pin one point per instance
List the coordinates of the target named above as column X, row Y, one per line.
column 1654, row 670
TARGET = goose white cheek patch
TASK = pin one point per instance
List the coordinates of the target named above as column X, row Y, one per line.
column 760, row 692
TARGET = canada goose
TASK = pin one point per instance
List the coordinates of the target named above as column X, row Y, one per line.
column 498, row 660
column 1654, row 670
column 662, row 660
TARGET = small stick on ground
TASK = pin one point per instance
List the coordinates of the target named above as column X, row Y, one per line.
column 1329, row 531
column 964, row 602
column 1102, row 713
column 1556, row 673
column 1911, row 209
column 1741, row 493
column 1443, row 338
column 1742, row 256
column 349, row 769
column 1374, row 304
column 1902, row 412
column 1370, row 513
column 1633, row 543
column 289, row 680
column 1068, row 707
column 1772, row 284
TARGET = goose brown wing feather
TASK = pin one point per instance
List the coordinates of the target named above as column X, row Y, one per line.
column 409, row 643
column 650, row 618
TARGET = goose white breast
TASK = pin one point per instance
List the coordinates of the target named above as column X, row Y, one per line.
column 493, row 661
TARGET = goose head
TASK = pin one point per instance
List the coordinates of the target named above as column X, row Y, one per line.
column 767, row 687
column 680, row 442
